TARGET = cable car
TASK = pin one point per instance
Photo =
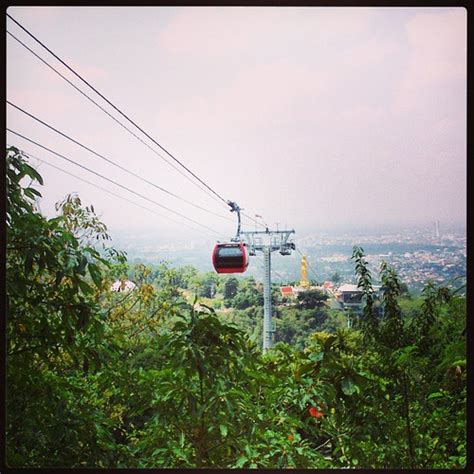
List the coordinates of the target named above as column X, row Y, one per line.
column 230, row 257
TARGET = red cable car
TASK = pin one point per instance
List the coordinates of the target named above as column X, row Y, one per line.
column 230, row 257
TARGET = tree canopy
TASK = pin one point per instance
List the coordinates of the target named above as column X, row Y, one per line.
column 160, row 377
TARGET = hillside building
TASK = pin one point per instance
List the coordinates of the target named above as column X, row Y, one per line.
column 350, row 297
column 123, row 286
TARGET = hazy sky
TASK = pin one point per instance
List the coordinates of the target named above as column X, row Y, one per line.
column 318, row 118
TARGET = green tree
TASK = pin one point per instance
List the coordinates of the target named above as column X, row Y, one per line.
column 312, row 299
column 336, row 277
column 248, row 295
column 54, row 325
column 231, row 287
column 401, row 372
column 208, row 286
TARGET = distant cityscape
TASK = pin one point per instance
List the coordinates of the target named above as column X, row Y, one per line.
column 418, row 255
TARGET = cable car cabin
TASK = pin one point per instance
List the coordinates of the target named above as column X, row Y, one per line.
column 230, row 258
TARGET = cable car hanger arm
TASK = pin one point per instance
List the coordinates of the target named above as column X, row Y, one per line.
column 234, row 207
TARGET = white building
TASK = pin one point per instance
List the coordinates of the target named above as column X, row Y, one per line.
column 123, row 286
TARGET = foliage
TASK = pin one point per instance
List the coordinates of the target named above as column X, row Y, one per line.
column 336, row 277
column 295, row 326
column 158, row 378
column 209, row 286
column 312, row 299
column 230, row 289
column 248, row 295
column 55, row 329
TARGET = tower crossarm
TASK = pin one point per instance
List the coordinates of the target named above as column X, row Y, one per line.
column 277, row 240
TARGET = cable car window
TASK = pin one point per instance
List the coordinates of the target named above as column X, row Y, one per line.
column 234, row 262
column 230, row 252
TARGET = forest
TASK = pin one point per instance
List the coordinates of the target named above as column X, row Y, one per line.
column 172, row 375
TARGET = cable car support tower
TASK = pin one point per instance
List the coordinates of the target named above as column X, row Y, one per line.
column 268, row 241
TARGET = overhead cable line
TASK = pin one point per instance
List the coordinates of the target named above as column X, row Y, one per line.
column 118, row 121
column 278, row 274
column 30, row 155
column 254, row 220
column 112, row 117
column 117, row 109
column 111, row 181
column 113, row 163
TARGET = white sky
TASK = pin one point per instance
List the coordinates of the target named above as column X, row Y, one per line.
column 318, row 118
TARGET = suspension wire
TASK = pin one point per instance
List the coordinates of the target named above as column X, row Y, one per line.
column 113, row 163
column 116, row 108
column 254, row 220
column 30, row 155
column 121, row 124
column 114, row 118
column 278, row 274
column 283, row 279
column 261, row 264
column 111, row 181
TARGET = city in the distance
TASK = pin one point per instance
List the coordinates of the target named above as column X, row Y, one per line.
column 427, row 253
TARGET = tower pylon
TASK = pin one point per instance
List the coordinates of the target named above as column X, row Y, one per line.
column 268, row 241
